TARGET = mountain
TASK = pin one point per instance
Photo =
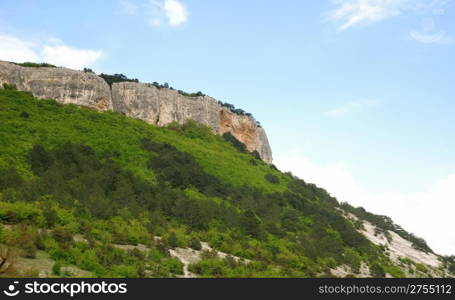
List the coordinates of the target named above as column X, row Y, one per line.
column 89, row 191
column 156, row 104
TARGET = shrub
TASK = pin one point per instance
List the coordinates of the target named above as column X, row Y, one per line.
column 36, row 65
column 377, row 271
column 235, row 142
column 13, row 213
column 7, row 86
column 61, row 235
column 272, row 179
column 24, row 115
column 125, row 271
column 198, row 94
column 195, row 243
column 111, row 79
column 174, row 265
column 172, row 240
column 56, row 268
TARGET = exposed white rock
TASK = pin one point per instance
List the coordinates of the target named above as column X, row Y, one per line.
column 397, row 246
column 190, row 256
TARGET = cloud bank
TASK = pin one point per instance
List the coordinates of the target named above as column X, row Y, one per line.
column 52, row 51
column 428, row 214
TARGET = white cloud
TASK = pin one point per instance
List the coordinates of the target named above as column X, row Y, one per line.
column 14, row 49
column 428, row 214
column 172, row 12
column 52, row 51
column 354, row 12
column 351, row 107
column 175, row 12
column 349, row 13
column 70, row 57
column 439, row 37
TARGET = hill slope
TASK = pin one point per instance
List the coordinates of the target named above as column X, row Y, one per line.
column 152, row 102
column 114, row 196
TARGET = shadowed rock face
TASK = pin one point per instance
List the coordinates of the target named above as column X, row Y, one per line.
column 137, row 100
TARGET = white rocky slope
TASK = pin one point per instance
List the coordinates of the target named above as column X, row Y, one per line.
column 402, row 252
column 190, row 256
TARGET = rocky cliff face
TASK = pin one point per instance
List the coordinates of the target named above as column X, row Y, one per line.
column 64, row 85
column 137, row 100
column 163, row 106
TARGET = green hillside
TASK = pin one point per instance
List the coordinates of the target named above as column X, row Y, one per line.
column 87, row 190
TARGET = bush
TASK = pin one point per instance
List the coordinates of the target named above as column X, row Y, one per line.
column 235, row 142
column 172, row 240
column 56, row 268
column 36, row 65
column 377, row 271
column 198, row 94
column 125, row 271
column 195, row 243
column 13, row 213
column 7, row 86
column 174, row 266
column 62, row 236
column 111, row 79
column 24, row 115
column 272, row 179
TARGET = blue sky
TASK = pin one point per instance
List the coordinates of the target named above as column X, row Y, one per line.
column 355, row 95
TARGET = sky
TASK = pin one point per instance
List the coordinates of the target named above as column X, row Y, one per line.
column 356, row 96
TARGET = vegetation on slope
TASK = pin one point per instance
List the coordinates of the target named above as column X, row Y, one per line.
column 67, row 171
column 35, row 65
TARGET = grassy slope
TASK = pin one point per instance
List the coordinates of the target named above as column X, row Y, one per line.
column 50, row 124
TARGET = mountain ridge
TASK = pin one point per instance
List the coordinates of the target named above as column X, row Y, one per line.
column 153, row 104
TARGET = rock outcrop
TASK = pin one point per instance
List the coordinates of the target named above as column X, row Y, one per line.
column 157, row 106
column 63, row 85
column 163, row 106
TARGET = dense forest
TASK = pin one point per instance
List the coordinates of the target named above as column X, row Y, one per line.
column 78, row 185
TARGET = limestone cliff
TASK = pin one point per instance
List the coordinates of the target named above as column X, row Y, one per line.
column 163, row 106
column 64, row 85
column 137, row 100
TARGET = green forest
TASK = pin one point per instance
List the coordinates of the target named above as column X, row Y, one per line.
column 83, row 187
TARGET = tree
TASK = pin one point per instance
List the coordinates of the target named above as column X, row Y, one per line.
column 229, row 137
column 377, row 271
column 9, row 178
column 56, row 268
column 272, row 178
column 195, row 243
column 172, row 240
column 40, row 159
column 251, row 224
